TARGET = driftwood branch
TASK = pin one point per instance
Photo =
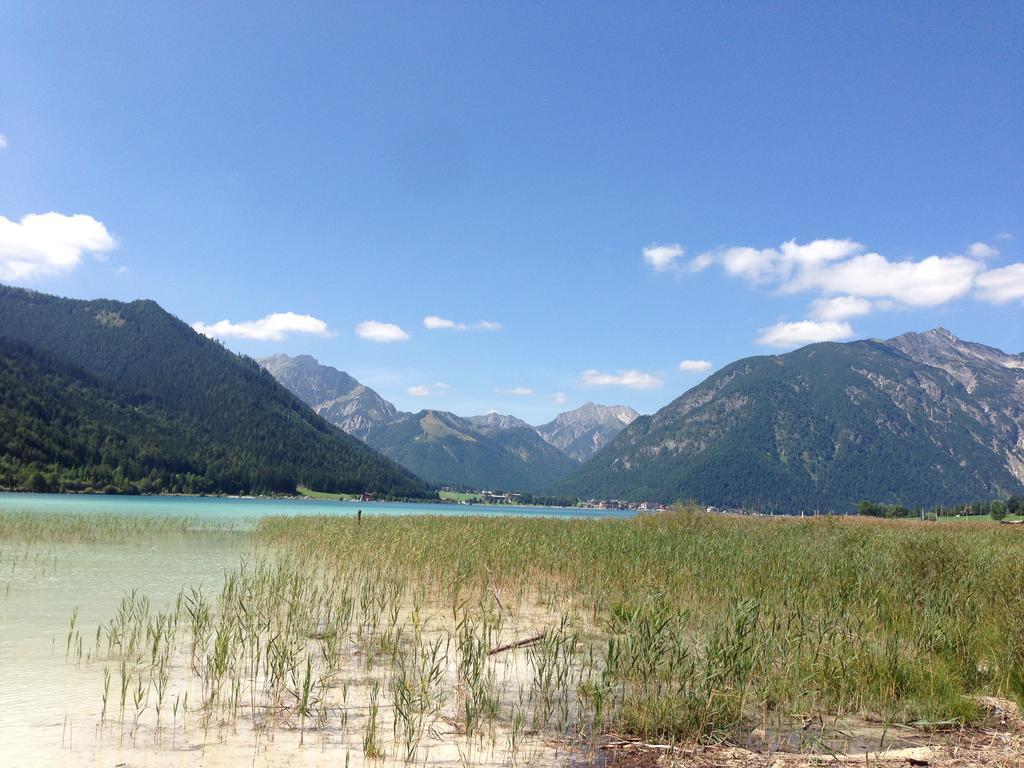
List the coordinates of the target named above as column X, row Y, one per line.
column 634, row 744
column 516, row 644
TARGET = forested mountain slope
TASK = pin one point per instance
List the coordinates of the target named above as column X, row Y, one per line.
column 919, row 419
column 103, row 393
column 445, row 449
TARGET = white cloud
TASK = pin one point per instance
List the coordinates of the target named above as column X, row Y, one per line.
column 516, row 391
column 760, row 265
column 695, row 366
column 632, row 379
column 982, row 251
column 1004, row 235
column 803, row 332
column 3, row 141
column 663, row 257
column 839, row 308
column 380, row 332
column 926, row 283
column 44, row 244
column 851, row 282
column 433, row 323
column 559, row 398
column 1002, row 285
column 426, row 390
column 749, row 263
column 840, row 266
column 273, row 327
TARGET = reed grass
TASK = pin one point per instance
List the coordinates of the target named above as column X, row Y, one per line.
column 675, row 627
column 52, row 527
column 693, row 623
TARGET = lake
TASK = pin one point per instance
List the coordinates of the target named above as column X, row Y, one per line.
column 224, row 509
column 51, row 710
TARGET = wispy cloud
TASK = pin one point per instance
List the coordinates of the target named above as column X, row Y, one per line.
column 694, row 366
column 434, row 323
column 663, row 257
column 45, row 244
column 803, row 332
column 515, row 391
column 559, row 398
column 3, row 141
column 272, row 327
column 982, row 251
column 428, row 390
column 631, row 379
column 384, row 333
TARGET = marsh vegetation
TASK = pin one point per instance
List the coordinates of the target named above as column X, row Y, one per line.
column 499, row 641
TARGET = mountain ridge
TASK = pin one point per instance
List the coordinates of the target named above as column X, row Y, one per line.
column 917, row 419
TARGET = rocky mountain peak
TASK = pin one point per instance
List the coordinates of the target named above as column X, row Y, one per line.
column 498, row 421
column 333, row 394
column 968, row 361
column 584, row 431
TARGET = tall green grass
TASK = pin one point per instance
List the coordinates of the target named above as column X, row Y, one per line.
column 49, row 527
column 674, row 626
column 701, row 622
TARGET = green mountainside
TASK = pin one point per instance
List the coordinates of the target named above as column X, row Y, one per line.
column 108, row 395
column 445, row 449
column 922, row 419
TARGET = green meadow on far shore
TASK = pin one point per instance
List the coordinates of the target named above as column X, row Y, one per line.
column 309, row 493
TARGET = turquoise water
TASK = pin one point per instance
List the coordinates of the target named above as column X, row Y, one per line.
column 222, row 509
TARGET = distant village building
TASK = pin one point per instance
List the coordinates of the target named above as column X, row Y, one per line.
column 499, row 498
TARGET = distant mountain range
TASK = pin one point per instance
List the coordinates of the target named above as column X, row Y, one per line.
column 104, row 395
column 918, row 419
column 111, row 396
column 493, row 451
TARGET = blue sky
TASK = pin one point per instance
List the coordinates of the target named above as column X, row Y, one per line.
column 622, row 187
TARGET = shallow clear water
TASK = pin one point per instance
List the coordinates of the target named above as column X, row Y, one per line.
column 224, row 509
column 49, row 707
